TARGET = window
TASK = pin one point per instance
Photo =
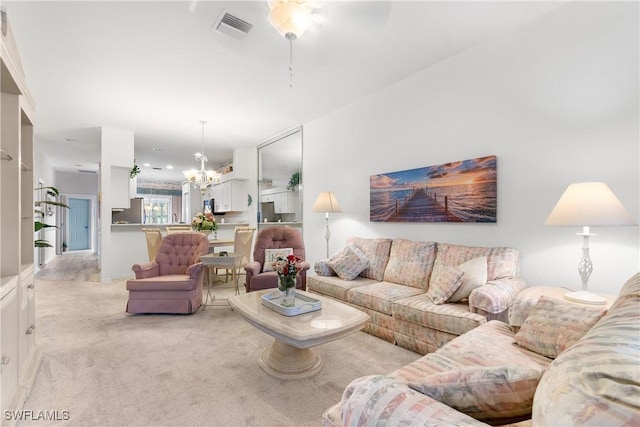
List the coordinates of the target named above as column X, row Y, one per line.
column 157, row 209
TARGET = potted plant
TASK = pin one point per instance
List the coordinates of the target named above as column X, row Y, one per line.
column 42, row 208
column 294, row 181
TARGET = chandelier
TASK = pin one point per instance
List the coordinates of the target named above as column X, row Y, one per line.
column 201, row 178
column 291, row 18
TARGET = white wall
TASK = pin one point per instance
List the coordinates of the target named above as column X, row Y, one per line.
column 556, row 101
column 116, row 150
column 77, row 182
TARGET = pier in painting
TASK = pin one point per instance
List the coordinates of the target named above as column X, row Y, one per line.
column 423, row 205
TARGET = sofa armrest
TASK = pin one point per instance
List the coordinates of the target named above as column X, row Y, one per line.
column 496, row 296
column 379, row 400
column 146, row 270
column 322, row 269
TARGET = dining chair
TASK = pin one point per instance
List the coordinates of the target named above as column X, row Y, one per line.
column 177, row 228
column 154, row 237
column 242, row 244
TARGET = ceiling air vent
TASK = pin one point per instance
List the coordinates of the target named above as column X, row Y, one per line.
column 232, row 25
column 86, row 171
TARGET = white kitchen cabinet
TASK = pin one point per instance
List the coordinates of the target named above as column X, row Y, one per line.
column 284, row 201
column 266, row 198
column 241, row 165
column 231, row 196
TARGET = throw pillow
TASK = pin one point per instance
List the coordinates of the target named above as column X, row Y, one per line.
column 410, row 263
column 554, row 325
column 445, row 284
column 349, row 262
column 475, row 275
column 270, row 255
column 483, row 392
column 377, row 251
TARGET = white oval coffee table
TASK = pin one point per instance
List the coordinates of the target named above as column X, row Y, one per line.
column 290, row 355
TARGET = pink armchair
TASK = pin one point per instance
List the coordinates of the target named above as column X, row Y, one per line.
column 173, row 282
column 274, row 238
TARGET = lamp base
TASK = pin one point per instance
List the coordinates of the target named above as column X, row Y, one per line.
column 585, row 297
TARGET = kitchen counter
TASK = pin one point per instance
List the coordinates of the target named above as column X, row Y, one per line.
column 295, row 224
column 162, row 226
column 132, row 244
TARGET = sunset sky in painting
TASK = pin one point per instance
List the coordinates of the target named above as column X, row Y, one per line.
column 481, row 169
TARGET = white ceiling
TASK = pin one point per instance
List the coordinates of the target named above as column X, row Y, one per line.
column 158, row 68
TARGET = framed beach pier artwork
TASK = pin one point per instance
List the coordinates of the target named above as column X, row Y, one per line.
column 463, row 191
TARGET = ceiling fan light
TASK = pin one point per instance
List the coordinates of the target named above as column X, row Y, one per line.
column 291, row 19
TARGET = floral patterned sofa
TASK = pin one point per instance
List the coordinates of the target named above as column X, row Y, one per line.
column 416, row 293
column 568, row 364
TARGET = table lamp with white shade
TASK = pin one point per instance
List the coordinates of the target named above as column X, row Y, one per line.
column 327, row 203
column 588, row 204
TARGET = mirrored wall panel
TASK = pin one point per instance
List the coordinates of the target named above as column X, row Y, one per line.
column 280, row 180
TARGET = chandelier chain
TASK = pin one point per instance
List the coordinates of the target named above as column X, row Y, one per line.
column 291, row 62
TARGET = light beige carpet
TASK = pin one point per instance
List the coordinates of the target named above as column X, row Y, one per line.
column 108, row 368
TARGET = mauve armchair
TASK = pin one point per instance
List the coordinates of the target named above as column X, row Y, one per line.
column 275, row 238
column 172, row 283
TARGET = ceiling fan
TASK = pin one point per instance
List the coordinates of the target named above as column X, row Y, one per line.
column 292, row 18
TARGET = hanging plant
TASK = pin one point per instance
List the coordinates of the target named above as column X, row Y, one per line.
column 135, row 170
column 294, row 181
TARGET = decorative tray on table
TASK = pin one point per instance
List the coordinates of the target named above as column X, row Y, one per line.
column 303, row 304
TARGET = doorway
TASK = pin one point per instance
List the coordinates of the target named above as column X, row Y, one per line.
column 79, row 221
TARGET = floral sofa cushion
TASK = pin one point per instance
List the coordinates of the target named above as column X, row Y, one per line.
column 377, row 252
column 410, row 263
column 381, row 401
column 380, row 296
column 453, row 318
column 555, row 325
column 502, row 262
column 490, row 344
column 485, row 393
column 335, row 287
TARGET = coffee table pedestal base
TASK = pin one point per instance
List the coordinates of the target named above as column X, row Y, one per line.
column 287, row 362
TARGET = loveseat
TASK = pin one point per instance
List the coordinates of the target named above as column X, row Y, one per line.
column 569, row 364
column 420, row 295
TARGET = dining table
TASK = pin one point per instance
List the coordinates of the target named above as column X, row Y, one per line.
column 215, row 243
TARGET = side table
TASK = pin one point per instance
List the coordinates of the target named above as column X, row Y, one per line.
column 215, row 260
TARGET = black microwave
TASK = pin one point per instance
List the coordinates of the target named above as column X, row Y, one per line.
column 210, row 206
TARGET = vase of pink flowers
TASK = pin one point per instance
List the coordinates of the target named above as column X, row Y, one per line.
column 287, row 269
column 205, row 223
